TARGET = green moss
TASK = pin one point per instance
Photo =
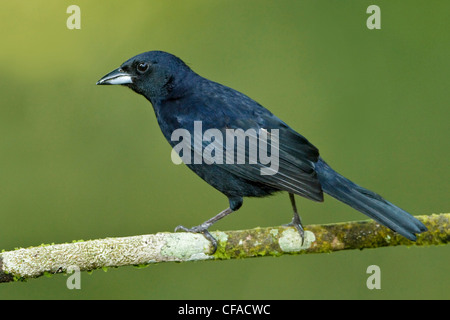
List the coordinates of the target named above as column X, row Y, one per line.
column 47, row 274
column 19, row 279
column 249, row 243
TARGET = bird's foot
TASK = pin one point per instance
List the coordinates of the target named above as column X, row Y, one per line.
column 297, row 223
column 203, row 230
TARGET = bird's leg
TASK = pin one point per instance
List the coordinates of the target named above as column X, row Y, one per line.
column 203, row 228
column 296, row 221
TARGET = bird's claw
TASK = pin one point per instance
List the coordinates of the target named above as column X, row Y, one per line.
column 297, row 225
column 202, row 230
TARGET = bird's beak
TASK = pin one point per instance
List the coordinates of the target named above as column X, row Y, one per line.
column 117, row 76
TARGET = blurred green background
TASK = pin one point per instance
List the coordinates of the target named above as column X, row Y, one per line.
column 78, row 161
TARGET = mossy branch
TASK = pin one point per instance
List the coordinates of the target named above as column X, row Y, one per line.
column 142, row 250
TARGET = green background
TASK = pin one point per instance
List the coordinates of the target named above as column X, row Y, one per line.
column 79, row 161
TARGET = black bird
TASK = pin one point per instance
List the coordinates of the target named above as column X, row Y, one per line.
column 180, row 97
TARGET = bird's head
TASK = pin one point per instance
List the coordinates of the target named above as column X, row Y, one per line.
column 157, row 75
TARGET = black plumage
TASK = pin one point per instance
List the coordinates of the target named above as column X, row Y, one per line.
column 180, row 97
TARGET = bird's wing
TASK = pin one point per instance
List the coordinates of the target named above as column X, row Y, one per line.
column 295, row 172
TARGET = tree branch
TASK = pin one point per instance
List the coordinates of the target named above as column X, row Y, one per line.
column 142, row 250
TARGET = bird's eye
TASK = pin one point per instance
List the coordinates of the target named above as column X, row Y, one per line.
column 142, row 67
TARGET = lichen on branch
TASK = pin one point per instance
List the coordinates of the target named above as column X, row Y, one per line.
column 143, row 250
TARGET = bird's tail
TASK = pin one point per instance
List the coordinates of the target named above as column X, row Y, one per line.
column 368, row 202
